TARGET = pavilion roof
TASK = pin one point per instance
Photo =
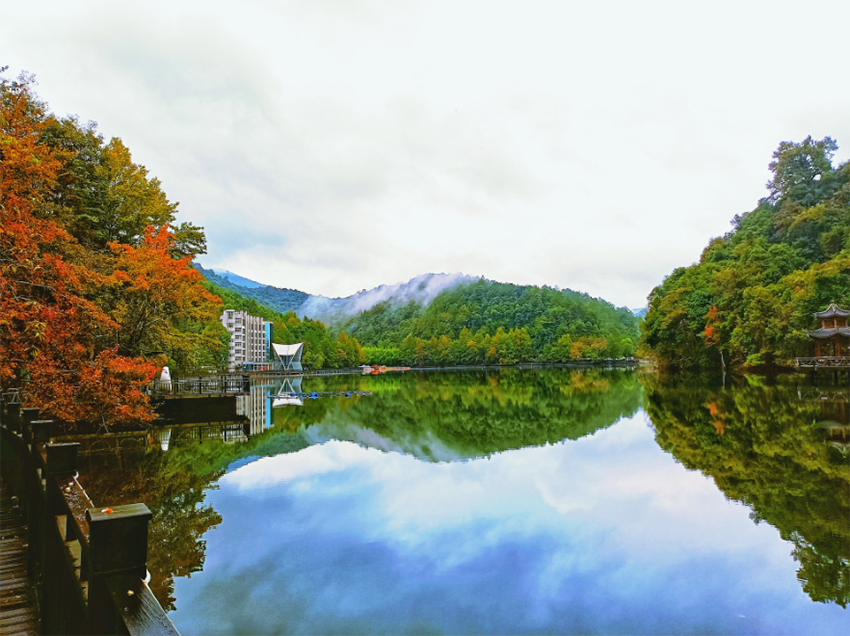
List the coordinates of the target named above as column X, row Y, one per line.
column 832, row 310
column 829, row 333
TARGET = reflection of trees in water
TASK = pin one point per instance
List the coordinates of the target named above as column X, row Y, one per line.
column 478, row 413
column 761, row 445
column 175, row 496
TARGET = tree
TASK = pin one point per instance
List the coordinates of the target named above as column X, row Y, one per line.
column 801, row 172
column 150, row 294
column 52, row 336
column 104, row 197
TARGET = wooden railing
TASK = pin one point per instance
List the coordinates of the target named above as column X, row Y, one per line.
column 823, row 362
column 89, row 561
column 212, row 385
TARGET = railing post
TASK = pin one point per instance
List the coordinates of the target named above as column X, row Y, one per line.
column 28, row 416
column 40, row 431
column 61, row 460
column 13, row 413
column 118, row 545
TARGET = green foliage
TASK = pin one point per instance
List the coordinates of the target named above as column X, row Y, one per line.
column 763, row 447
column 785, row 260
column 103, row 196
column 484, row 322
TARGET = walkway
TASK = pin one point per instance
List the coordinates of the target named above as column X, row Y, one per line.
column 18, row 613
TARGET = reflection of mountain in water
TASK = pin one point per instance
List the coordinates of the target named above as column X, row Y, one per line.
column 764, row 446
column 435, row 417
column 456, row 416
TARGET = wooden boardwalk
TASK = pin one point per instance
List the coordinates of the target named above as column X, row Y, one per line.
column 18, row 613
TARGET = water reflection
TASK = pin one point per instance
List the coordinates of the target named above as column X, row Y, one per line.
column 445, row 417
column 780, row 450
column 452, row 416
column 498, row 502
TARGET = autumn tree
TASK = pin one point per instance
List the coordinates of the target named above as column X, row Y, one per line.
column 51, row 333
column 154, row 298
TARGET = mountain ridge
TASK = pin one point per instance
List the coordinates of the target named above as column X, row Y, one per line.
column 421, row 289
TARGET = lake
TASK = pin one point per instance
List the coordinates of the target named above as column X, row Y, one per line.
column 503, row 502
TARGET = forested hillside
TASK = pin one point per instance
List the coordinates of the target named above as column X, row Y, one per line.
column 484, row 322
column 281, row 300
column 750, row 299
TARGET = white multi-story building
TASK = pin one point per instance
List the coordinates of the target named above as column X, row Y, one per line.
column 249, row 338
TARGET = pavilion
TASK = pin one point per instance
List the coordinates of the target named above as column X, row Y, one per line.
column 832, row 339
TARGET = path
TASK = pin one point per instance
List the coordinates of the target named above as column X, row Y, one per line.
column 18, row 613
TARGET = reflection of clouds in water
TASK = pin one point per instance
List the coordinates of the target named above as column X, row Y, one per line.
column 606, row 533
column 310, row 462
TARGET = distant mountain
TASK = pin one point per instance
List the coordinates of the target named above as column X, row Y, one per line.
column 640, row 313
column 441, row 319
column 420, row 290
column 279, row 299
column 236, row 279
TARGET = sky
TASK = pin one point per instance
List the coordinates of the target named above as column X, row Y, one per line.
column 332, row 147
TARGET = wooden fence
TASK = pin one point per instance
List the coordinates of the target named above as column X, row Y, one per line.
column 88, row 562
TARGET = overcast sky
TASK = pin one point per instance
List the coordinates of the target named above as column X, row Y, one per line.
column 335, row 146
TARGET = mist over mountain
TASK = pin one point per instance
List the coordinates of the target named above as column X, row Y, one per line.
column 450, row 319
column 421, row 290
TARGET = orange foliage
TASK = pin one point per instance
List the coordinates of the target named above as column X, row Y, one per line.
column 51, row 334
column 711, row 334
column 150, row 289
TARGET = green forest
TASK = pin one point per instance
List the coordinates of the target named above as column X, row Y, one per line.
column 485, row 322
column 749, row 300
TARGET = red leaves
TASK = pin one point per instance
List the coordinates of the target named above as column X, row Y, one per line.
column 53, row 337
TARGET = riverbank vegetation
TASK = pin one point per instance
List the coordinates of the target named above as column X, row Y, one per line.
column 97, row 288
column 485, row 322
column 748, row 301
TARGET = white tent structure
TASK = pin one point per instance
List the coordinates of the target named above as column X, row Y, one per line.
column 289, row 355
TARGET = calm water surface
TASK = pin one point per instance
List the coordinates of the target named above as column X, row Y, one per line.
column 506, row 503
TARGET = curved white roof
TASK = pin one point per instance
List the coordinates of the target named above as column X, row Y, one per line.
column 287, row 350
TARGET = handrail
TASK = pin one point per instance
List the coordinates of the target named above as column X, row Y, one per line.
column 212, row 385
column 91, row 561
column 823, row 361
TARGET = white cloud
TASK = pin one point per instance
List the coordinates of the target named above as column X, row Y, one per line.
column 331, row 146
